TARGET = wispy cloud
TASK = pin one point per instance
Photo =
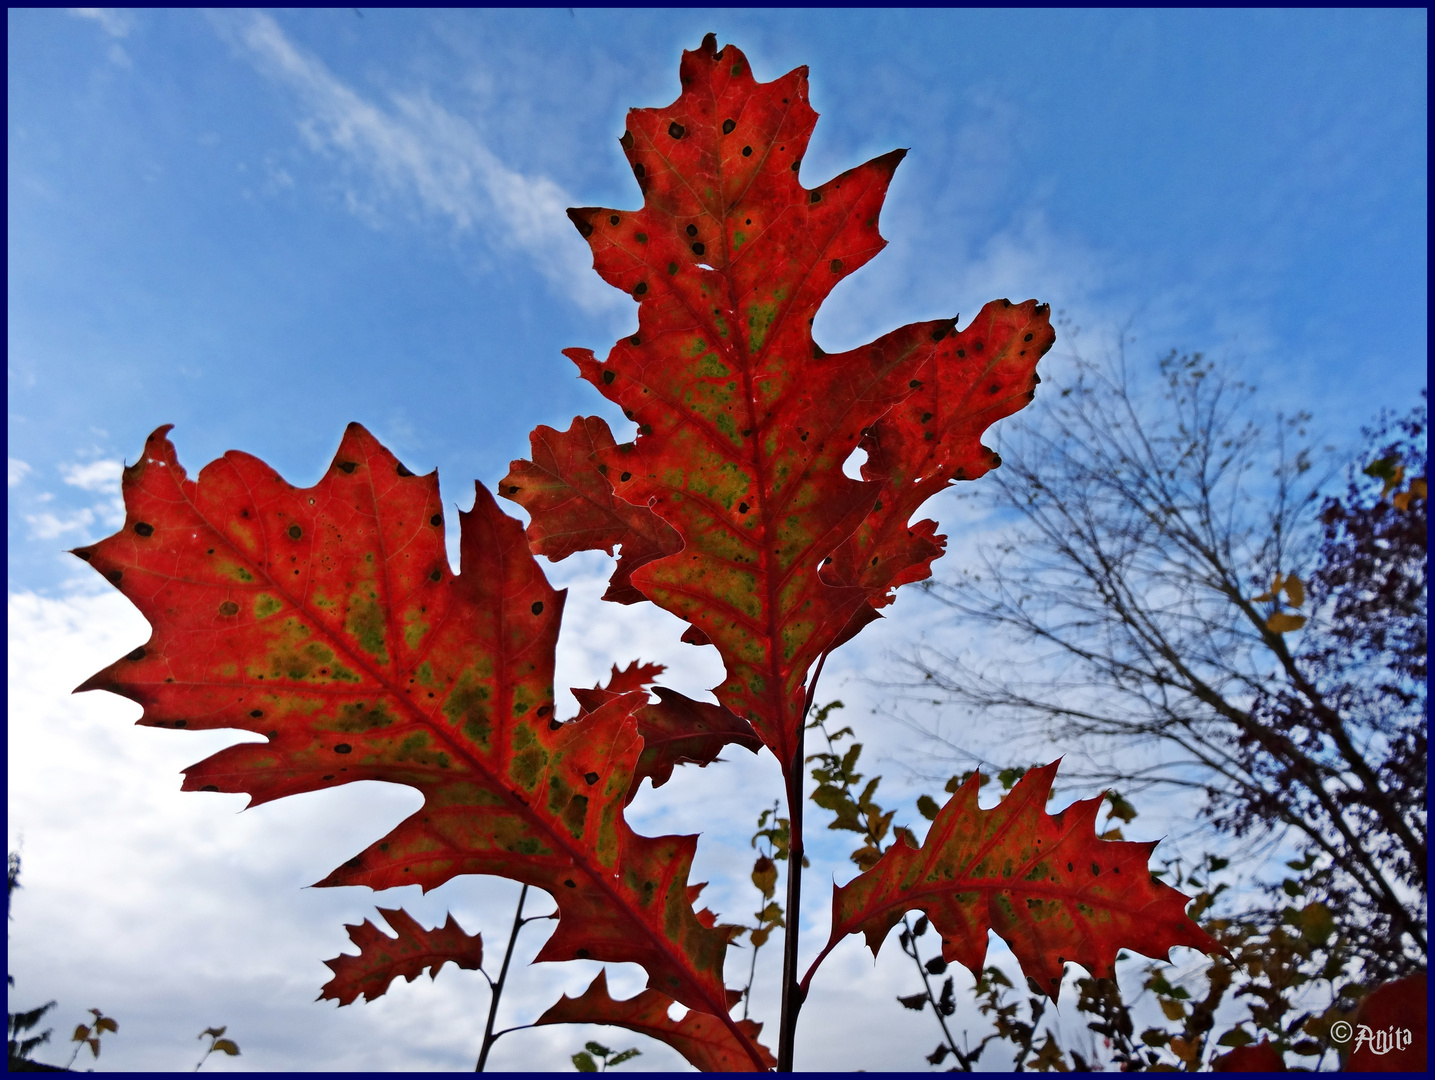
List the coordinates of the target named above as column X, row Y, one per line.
column 47, row 526
column 114, row 21
column 18, row 471
column 412, row 147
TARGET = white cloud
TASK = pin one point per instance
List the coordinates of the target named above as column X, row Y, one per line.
column 102, row 476
column 47, row 526
column 416, row 148
column 114, row 21
column 18, row 471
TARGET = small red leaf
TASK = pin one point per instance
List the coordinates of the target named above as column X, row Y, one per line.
column 636, row 676
column 1047, row 886
column 677, row 730
column 703, row 1039
column 382, row 958
column 572, row 506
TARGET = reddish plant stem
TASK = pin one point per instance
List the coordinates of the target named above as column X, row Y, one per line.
column 793, row 992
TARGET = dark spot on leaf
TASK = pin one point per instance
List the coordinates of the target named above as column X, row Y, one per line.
column 590, row 778
column 994, row 388
column 144, row 528
column 582, row 954
column 554, row 724
column 570, row 883
column 747, row 151
column 940, row 332
column 914, row 384
column 978, row 346
column 256, row 713
column 437, row 574
column 436, row 520
column 672, row 268
column 626, row 477
column 796, row 165
column 635, row 340
column 537, row 607
column 544, row 710
column 1070, row 867
column 639, row 171
column 116, row 576
column 343, row 748
column 742, row 508
column 612, row 219
column 676, row 130
column 329, row 777
column 181, row 723
column 814, row 197
column 209, row 787
column 229, row 607
column 962, row 352
column 626, row 141
column 609, row 376
column 640, row 288
column 1095, row 869
column 835, row 266
column 402, row 471
column 1027, row 338
column 348, row 466
column 138, row 654
column 699, row 248
column 352, row 863
column 727, row 126
column 584, row 229
column 692, row 230
column 295, row 532
column 86, row 555
column 926, row 416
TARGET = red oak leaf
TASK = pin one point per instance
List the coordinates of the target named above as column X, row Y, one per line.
column 702, row 1039
column 636, row 676
column 1048, row 887
column 677, row 730
column 327, row 620
column 572, row 507
column 744, row 422
column 382, row 958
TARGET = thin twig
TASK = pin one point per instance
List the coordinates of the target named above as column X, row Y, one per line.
column 489, row 1038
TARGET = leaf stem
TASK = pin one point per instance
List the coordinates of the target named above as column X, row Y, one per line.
column 489, row 1038
column 794, row 992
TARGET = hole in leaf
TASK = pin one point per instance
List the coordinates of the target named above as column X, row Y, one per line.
column 852, row 467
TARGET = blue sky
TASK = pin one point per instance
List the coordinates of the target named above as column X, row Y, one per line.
column 259, row 227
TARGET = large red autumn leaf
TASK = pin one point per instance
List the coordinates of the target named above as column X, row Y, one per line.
column 382, row 959
column 1044, row 882
column 744, row 422
column 704, row 1040
column 327, row 620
